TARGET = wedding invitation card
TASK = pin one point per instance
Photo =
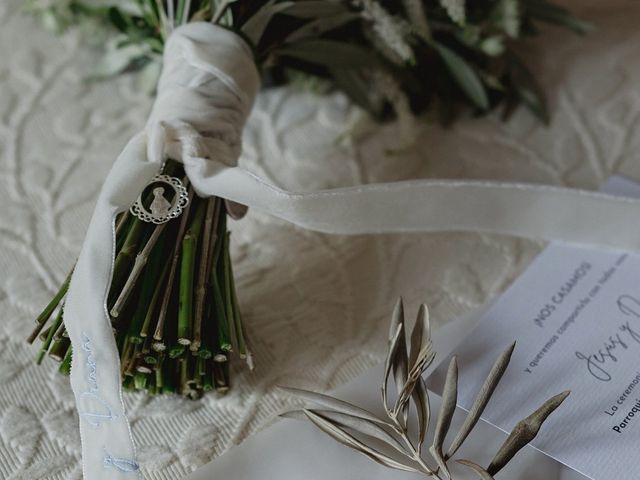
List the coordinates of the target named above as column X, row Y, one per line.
column 575, row 315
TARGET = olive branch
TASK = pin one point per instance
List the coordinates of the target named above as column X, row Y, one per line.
column 390, row 441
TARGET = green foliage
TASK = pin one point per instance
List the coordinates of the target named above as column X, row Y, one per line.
column 446, row 55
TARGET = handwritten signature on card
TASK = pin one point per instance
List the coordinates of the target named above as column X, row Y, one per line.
column 627, row 336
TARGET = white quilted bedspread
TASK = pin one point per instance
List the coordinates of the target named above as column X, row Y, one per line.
column 316, row 305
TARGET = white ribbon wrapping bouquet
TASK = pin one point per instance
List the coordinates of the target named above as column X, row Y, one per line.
column 205, row 94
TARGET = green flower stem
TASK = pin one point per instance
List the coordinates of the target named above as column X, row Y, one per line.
column 224, row 344
column 159, row 372
column 219, row 243
column 209, row 324
column 154, row 255
column 187, row 266
column 228, row 297
column 207, row 379
column 226, row 373
column 243, row 351
column 184, row 375
column 130, row 369
column 169, row 377
column 217, row 316
column 127, row 384
column 221, row 377
column 151, row 360
column 126, row 349
column 159, row 288
column 47, row 342
column 194, row 372
column 220, row 357
column 45, row 333
column 59, row 348
column 122, row 226
column 126, row 258
column 143, row 367
column 138, row 266
column 222, row 8
column 140, row 380
column 65, row 366
column 204, row 352
column 48, row 310
column 176, row 351
column 201, row 285
column 61, row 333
column 146, row 346
column 127, row 356
column 159, row 333
column 200, row 366
column 180, row 12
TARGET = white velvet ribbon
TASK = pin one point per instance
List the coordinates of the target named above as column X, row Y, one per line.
column 206, row 91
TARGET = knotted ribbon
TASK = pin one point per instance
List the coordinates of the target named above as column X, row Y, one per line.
column 206, row 91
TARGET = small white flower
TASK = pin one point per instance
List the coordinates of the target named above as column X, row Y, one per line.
column 456, row 10
column 392, row 32
column 511, row 17
column 418, row 17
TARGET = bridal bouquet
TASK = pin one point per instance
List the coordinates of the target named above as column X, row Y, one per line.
column 172, row 303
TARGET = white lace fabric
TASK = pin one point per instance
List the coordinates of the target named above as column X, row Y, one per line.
column 316, row 305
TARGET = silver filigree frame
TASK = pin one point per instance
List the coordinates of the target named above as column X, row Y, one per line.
column 162, row 214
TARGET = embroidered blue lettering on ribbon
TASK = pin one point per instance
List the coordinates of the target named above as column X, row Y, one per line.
column 97, row 410
column 121, row 464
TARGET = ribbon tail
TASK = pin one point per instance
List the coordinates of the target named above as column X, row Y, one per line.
column 522, row 210
column 95, row 373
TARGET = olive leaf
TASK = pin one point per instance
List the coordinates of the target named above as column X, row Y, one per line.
column 334, row 404
column 456, row 9
column 550, row 13
column 357, row 424
column 421, row 355
column 329, row 53
column 481, row 400
column 525, row 431
column 423, row 408
column 420, row 337
column 447, row 409
column 350, row 441
column 527, row 88
column 319, row 26
column 355, row 427
column 256, row 25
column 481, row 472
column 316, row 9
column 396, row 339
column 398, row 359
column 118, row 57
column 356, row 84
column 465, row 76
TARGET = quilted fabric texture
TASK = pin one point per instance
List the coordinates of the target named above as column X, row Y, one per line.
column 316, row 305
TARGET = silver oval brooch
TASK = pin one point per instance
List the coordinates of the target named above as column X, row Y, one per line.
column 161, row 210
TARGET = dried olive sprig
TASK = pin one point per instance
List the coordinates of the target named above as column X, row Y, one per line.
column 365, row 432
